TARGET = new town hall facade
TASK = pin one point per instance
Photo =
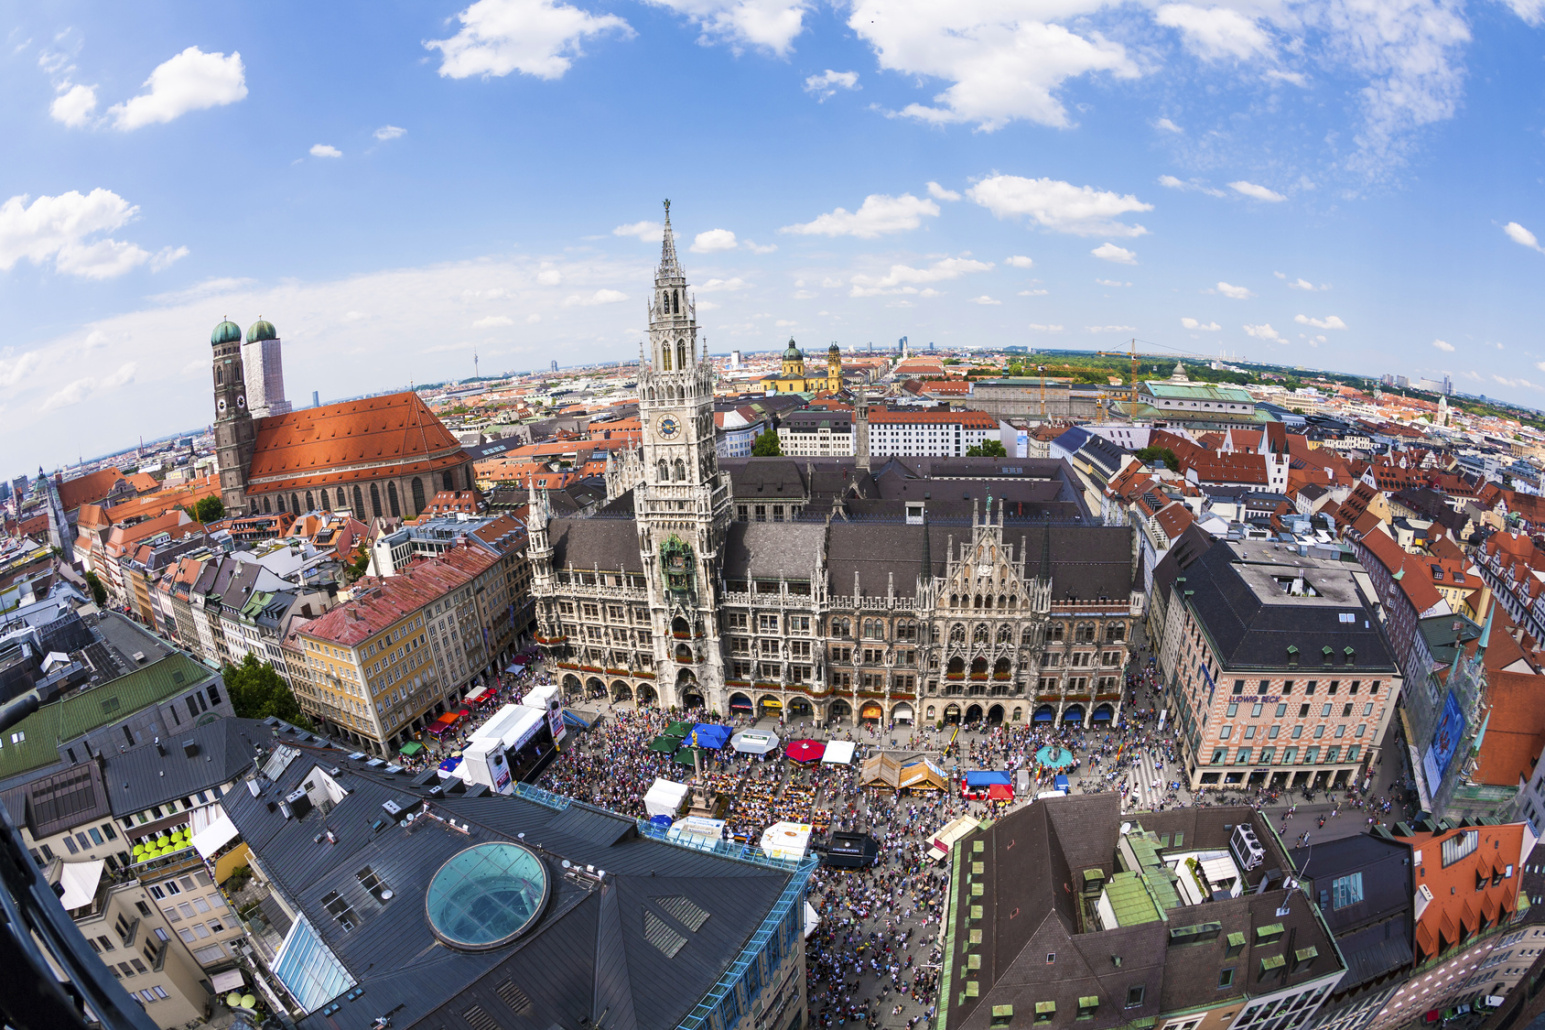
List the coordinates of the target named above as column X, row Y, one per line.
column 921, row 589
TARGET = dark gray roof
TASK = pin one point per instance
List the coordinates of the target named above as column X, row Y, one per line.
column 587, row 954
column 153, row 774
column 605, row 543
column 1375, row 933
column 773, row 550
column 60, row 800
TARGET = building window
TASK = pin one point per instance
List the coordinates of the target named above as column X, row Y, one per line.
column 1225, row 978
column 1346, row 890
column 1460, row 845
column 1135, row 995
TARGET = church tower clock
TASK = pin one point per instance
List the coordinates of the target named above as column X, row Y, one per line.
column 682, row 507
column 235, row 433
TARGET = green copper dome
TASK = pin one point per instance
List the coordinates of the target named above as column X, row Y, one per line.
column 261, row 330
column 792, row 353
column 226, row 332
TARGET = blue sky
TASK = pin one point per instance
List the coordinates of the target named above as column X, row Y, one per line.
column 1351, row 184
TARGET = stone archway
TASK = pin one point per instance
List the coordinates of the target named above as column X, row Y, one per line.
column 621, row 692
column 646, row 694
column 871, row 711
column 571, row 684
column 769, row 707
column 692, row 699
column 838, row 711
column 740, row 703
column 800, row 708
column 594, row 688
column 973, row 714
column 1104, row 713
column 1072, row 714
column 902, row 713
column 995, row 715
column 1045, row 713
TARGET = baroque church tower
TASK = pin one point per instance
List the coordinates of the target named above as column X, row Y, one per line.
column 682, row 507
column 235, row 433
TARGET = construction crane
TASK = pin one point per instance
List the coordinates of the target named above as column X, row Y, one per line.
column 1132, row 392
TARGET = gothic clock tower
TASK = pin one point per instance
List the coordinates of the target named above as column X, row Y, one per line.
column 235, row 434
column 682, row 507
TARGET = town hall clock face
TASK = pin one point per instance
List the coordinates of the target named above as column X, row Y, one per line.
column 669, row 427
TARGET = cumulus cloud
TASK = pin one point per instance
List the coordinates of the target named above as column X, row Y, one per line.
column 86, row 387
column 985, row 300
column 1033, row 293
column 713, row 241
column 1301, row 284
column 649, row 232
column 1111, row 252
column 1328, row 322
column 549, row 277
column 1195, row 185
column 1256, row 192
column 1444, row 346
column 325, row 150
column 1110, row 329
column 879, row 214
column 1521, row 236
column 723, row 285
column 1036, row 327
column 493, row 322
column 1264, row 331
column 829, row 82
column 906, row 279
column 1215, row 33
column 66, row 231
column 1003, row 61
column 389, row 132
column 75, row 106
column 1165, row 125
column 190, row 81
column 1208, row 327
column 1019, row 261
column 1111, row 282
column 1059, row 206
column 1233, row 292
column 598, row 297
column 533, row 37
column 938, row 192
column 166, row 257
column 771, row 24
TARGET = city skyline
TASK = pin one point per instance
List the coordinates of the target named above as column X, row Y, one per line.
column 1296, row 183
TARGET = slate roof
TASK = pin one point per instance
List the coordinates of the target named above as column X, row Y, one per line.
column 770, row 550
column 59, row 800
column 607, row 543
column 1374, row 934
column 153, row 774
column 587, row 954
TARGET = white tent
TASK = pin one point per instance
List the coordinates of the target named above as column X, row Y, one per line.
column 79, row 880
column 812, row 919
column 665, row 798
column 838, row 752
column 220, row 832
column 754, row 742
column 786, row 840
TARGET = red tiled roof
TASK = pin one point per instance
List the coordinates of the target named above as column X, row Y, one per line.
column 1515, row 729
column 1453, row 908
column 90, row 488
column 335, row 440
column 1414, row 578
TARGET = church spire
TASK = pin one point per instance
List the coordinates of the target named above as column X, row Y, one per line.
column 670, row 268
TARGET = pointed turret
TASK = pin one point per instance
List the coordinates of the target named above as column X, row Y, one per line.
column 670, row 269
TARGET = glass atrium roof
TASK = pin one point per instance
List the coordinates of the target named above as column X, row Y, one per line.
column 486, row 896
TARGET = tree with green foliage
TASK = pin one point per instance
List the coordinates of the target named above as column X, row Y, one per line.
column 257, row 692
column 209, row 509
column 766, row 445
column 1149, row 455
column 98, row 591
column 987, row 449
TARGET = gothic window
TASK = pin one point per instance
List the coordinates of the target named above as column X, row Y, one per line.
column 957, row 634
column 1085, row 632
column 665, row 471
column 1056, row 631
column 1027, row 638
column 391, row 500
column 445, row 479
column 219, row 376
column 977, row 601
column 989, row 601
column 681, row 354
column 956, row 667
column 1005, row 634
column 418, row 495
column 375, row 502
column 954, row 600
column 359, row 503
column 665, row 357
column 979, row 634
column 343, row 501
column 841, row 628
column 310, row 504
column 1116, row 631
column 681, row 470
column 675, row 303
column 295, row 504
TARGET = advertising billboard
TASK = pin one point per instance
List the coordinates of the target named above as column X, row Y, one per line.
column 1445, row 741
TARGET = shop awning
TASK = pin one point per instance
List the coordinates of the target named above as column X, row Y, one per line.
column 838, row 752
column 220, row 832
column 230, row 980
column 986, row 778
column 1000, row 792
column 79, row 880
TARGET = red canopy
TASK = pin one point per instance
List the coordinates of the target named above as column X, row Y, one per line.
column 1000, row 792
column 446, row 719
column 805, row 750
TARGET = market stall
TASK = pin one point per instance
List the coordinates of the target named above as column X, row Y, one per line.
column 665, row 798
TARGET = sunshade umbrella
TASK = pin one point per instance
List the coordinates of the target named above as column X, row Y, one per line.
column 805, row 750
column 665, row 744
column 411, row 748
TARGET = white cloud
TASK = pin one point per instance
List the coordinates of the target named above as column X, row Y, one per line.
column 13, row 370
column 534, row 37
column 1328, row 322
column 1019, row 261
column 1110, row 329
column 1264, row 331
column 89, row 386
column 1036, row 327
column 549, row 277
column 493, row 322
column 1521, row 236
column 389, row 132
column 938, row 192
column 1444, row 346
column 1004, row 61
column 905, row 279
column 723, row 285
column 1531, row 11
column 1538, row 364
column 878, row 214
column 75, row 106
column 1033, row 293
column 1111, row 282
column 1301, row 284
column 829, row 82
column 1215, row 33
column 1209, row 327
column 759, row 248
column 1059, row 206
column 1196, row 185
column 649, row 232
column 1233, row 292
column 1165, row 125
column 1111, row 252
column 190, row 81
column 985, row 300
column 166, row 257
column 1256, row 192
column 598, row 297
column 58, row 229
column 713, row 241
column 772, row 24
column 325, row 150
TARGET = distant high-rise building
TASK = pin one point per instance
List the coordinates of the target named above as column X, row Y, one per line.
column 555, row 364
column 316, row 398
column 735, row 359
column 1402, row 382
column 263, row 367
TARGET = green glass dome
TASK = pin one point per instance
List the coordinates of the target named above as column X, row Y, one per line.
column 486, row 896
column 792, row 353
column 226, row 332
column 261, row 330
